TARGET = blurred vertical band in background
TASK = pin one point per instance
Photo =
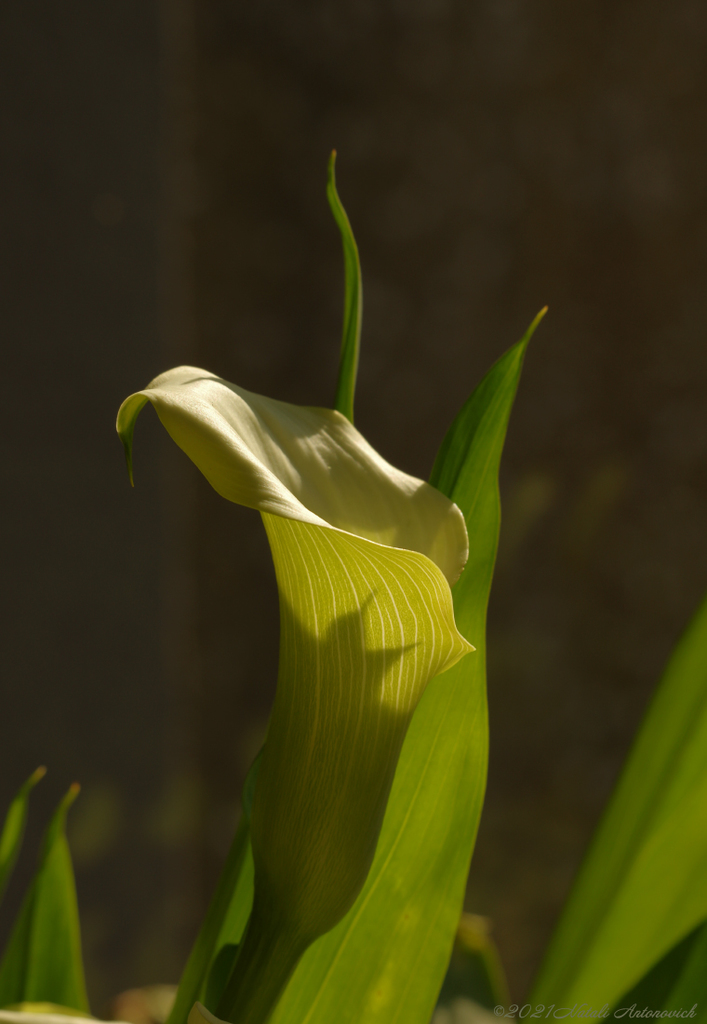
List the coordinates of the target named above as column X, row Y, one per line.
column 163, row 202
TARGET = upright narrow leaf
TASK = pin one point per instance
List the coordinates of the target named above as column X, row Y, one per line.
column 226, row 918
column 643, row 885
column 14, row 828
column 385, row 962
column 42, row 961
column 224, row 922
column 353, row 302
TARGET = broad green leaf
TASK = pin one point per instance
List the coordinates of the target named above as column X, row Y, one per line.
column 353, row 302
column 643, row 885
column 475, row 971
column 42, row 960
column 364, row 555
column 14, row 828
column 386, row 960
column 677, row 981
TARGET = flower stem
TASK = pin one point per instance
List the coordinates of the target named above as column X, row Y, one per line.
column 265, row 963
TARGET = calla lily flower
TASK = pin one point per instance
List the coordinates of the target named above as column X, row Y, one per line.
column 364, row 557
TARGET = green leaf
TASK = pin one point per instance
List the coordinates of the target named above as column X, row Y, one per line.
column 218, row 974
column 14, row 828
column 42, row 960
column 224, row 923
column 691, row 985
column 386, row 960
column 678, row 980
column 249, row 785
column 475, row 971
column 364, row 555
column 643, row 886
column 353, row 302
column 225, row 920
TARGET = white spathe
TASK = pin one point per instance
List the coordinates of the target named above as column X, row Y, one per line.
column 301, row 463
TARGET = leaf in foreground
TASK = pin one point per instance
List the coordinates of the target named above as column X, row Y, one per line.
column 643, row 885
column 42, row 961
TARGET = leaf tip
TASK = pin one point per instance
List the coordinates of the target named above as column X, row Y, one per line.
column 73, row 792
column 537, row 319
column 523, row 343
column 37, row 774
column 332, row 194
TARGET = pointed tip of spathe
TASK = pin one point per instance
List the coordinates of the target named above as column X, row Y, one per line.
column 127, row 446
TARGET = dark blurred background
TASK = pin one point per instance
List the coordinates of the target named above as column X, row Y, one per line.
column 163, row 172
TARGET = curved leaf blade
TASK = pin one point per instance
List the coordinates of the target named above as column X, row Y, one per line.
column 353, row 302
column 642, row 887
column 42, row 961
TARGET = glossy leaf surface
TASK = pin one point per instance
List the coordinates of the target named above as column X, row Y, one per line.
column 643, row 885
column 42, row 961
